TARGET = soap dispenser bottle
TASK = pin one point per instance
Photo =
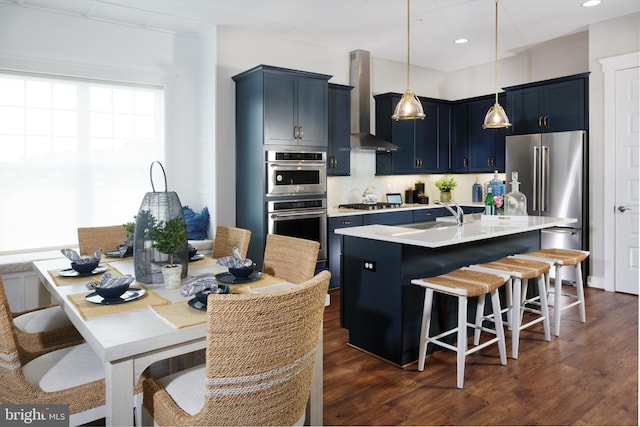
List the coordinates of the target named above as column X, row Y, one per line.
column 496, row 185
column 515, row 202
column 476, row 193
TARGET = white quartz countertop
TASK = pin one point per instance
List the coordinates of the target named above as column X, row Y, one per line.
column 445, row 233
column 335, row 211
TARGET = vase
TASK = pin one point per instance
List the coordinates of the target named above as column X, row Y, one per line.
column 445, row 196
column 171, row 276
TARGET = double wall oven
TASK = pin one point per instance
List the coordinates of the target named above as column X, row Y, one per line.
column 296, row 190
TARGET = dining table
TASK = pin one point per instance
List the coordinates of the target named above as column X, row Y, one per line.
column 153, row 324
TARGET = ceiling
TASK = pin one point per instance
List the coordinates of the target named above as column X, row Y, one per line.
column 379, row 26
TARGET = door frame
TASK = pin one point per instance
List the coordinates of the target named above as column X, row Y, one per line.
column 609, row 68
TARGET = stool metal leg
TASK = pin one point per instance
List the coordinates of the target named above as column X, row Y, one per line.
column 580, row 293
column 479, row 319
column 557, row 296
column 516, row 316
column 424, row 330
column 502, row 348
column 462, row 338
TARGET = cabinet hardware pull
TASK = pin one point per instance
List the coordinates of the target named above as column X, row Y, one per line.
column 301, row 132
column 540, row 121
column 546, row 121
column 346, row 222
column 464, row 162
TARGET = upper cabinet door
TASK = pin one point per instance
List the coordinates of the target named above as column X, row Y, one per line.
column 313, row 106
column 424, row 144
column 550, row 106
column 280, row 109
column 295, row 110
column 339, row 152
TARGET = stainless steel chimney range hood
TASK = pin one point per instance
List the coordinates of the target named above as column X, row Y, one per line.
column 360, row 79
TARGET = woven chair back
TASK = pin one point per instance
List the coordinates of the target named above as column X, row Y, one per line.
column 107, row 238
column 229, row 237
column 290, row 258
column 259, row 358
column 14, row 388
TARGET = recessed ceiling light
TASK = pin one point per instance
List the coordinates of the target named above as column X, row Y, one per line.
column 591, row 3
column 461, row 41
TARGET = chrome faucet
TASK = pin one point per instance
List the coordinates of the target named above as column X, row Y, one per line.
column 459, row 214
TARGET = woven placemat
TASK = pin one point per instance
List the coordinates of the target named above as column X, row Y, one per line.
column 181, row 315
column 90, row 310
column 62, row 281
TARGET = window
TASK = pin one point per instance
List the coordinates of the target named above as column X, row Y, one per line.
column 73, row 153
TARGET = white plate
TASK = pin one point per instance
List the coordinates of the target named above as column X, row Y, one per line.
column 70, row 272
column 130, row 295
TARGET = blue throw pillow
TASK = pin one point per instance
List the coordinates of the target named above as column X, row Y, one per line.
column 197, row 223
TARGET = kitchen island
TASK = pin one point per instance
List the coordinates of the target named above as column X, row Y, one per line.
column 382, row 309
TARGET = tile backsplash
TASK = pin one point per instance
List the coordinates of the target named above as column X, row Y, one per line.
column 349, row 189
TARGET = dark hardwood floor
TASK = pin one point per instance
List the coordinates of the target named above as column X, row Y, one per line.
column 587, row 376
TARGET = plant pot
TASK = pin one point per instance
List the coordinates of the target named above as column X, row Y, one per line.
column 445, row 196
column 171, row 276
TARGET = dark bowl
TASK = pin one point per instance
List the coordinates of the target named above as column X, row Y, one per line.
column 241, row 272
column 112, row 293
column 85, row 268
column 203, row 295
column 192, row 251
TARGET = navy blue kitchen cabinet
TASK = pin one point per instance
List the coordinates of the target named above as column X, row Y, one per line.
column 389, row 218
column 338, row 153
column 334, row 249
column 424, row 144
column 474, row 149
column 423, row 215
column 553, row 105
column 295, row 107
column 276, row 109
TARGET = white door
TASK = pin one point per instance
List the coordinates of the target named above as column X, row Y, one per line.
column 627, row 188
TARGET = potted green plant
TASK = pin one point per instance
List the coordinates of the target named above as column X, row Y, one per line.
column 445, row 185
column 169, row 237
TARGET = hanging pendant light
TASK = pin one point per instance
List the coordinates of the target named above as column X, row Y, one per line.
column 409, row 107
column 496, row 117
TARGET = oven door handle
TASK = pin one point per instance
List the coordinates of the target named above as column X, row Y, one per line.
column 290, row 215
column 297, row 164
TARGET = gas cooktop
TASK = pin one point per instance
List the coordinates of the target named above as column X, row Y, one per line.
column 370, row 207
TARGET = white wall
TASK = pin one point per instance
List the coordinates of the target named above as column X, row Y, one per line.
column 606, row 39
column 36, row 41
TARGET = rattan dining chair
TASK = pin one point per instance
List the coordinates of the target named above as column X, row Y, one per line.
column 107, row 238
column 227, row 238
column 259, row 361
column 72, row 375
column 290, row 258
column 39, row 330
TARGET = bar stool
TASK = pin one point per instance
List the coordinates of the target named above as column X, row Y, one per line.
column 563, row 258
column 520, row 271
column 463, row 284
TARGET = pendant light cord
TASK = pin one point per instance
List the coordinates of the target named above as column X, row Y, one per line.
column 409, row 40
column 496, row 51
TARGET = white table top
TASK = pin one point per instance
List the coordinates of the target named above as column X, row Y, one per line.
column 121, row 335
column 447, row 233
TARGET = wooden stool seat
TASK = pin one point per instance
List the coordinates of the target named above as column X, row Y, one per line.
column 561, row 258
column 520, row 271
column 462, row 283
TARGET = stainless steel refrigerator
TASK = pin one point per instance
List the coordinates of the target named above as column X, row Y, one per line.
column 552, row 170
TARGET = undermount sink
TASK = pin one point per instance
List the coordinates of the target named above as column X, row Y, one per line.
column 429, row 225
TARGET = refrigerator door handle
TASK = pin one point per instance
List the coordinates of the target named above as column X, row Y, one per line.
column 536, row 167
column 544, row 180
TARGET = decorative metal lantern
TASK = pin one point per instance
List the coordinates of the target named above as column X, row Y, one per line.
column 156, row 207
